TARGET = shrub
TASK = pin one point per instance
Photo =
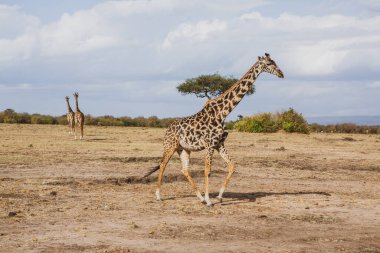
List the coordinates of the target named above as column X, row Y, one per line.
column 293, row 122
column 9, row 116
column 229, row 125
column 290, row 121
column 43, row 119
column 260, row 123
column 108, row 121
column 62, row 120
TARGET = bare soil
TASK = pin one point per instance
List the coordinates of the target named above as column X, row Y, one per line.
column 291, row 193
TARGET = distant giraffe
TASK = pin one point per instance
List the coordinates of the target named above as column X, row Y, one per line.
column 205, row 130
column 79, row 118
column 70, row 117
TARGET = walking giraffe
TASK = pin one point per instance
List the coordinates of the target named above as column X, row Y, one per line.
column 70, row 117
column 79, row 118
column 205, row 130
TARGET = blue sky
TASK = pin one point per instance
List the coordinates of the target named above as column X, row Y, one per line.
column 127, row 57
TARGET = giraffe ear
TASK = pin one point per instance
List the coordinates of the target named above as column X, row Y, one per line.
column 259, row 58
column 267, row 55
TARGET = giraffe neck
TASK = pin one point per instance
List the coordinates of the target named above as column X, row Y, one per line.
column 223, row 105
column 76, row 105
column 68, row 106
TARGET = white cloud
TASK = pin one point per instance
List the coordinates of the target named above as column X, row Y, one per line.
column 15, row 88
column 306, row 45
column 134, row 42
column 99, row 27
column 373, row 5
column 17, row 34
column 127, row 8
column 319, row 45
column 13, row 22
column 78, row 33
column 20, row 48
column 319, row 59
column 190, row 33
column 375, row 84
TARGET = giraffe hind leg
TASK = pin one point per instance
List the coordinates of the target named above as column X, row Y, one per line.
column 81, row 130
column 165, row 159
column 75, row 131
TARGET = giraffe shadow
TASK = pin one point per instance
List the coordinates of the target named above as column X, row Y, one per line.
column 231, row 198
column 95, row 139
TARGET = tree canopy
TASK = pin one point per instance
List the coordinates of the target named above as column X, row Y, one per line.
column 208, row 85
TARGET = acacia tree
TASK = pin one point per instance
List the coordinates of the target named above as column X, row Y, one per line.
column 207, row 85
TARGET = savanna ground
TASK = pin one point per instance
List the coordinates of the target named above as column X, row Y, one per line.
column 291, row 193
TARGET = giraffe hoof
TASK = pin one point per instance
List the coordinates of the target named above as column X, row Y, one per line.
column 220, row 199
column 158, row 195
column 210, row 205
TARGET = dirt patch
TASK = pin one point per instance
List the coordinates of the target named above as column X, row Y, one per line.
column 291, row 193
column 131, row 159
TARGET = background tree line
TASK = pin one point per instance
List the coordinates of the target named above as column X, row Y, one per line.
column 10, row 116
column 288, row 121
column 204, row 86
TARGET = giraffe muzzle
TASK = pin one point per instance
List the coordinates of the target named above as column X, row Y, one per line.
column 280, row 74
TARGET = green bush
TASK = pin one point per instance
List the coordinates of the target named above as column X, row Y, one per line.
column 61, row 120
column 229, row 125
column 108, row 121
column 260, row 123
column 293, row 122
column 9, row 116
column 290, row 121
column 43, row 119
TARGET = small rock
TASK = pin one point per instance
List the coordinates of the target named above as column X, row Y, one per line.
column 134, row 225
column 12, row 214
column 307, row 207
column 53, row 193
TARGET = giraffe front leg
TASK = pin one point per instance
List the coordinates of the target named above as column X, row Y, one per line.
column 208, row 162
column 231, row 170
column 185, row 158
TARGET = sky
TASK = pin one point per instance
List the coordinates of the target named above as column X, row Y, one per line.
column 125, row 58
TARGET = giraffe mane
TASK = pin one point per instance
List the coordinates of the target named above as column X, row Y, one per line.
column 232, row 86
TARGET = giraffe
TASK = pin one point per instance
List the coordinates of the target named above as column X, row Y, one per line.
column 205, row 131
column 79, row 118
column 70, row 117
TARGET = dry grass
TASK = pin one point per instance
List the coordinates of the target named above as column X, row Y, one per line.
column 291, row 193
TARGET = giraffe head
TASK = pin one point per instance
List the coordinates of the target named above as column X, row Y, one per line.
column 76, row 94
column 67, row 98
column 269, row 66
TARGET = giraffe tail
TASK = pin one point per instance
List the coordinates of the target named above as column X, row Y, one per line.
column 154, row 169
